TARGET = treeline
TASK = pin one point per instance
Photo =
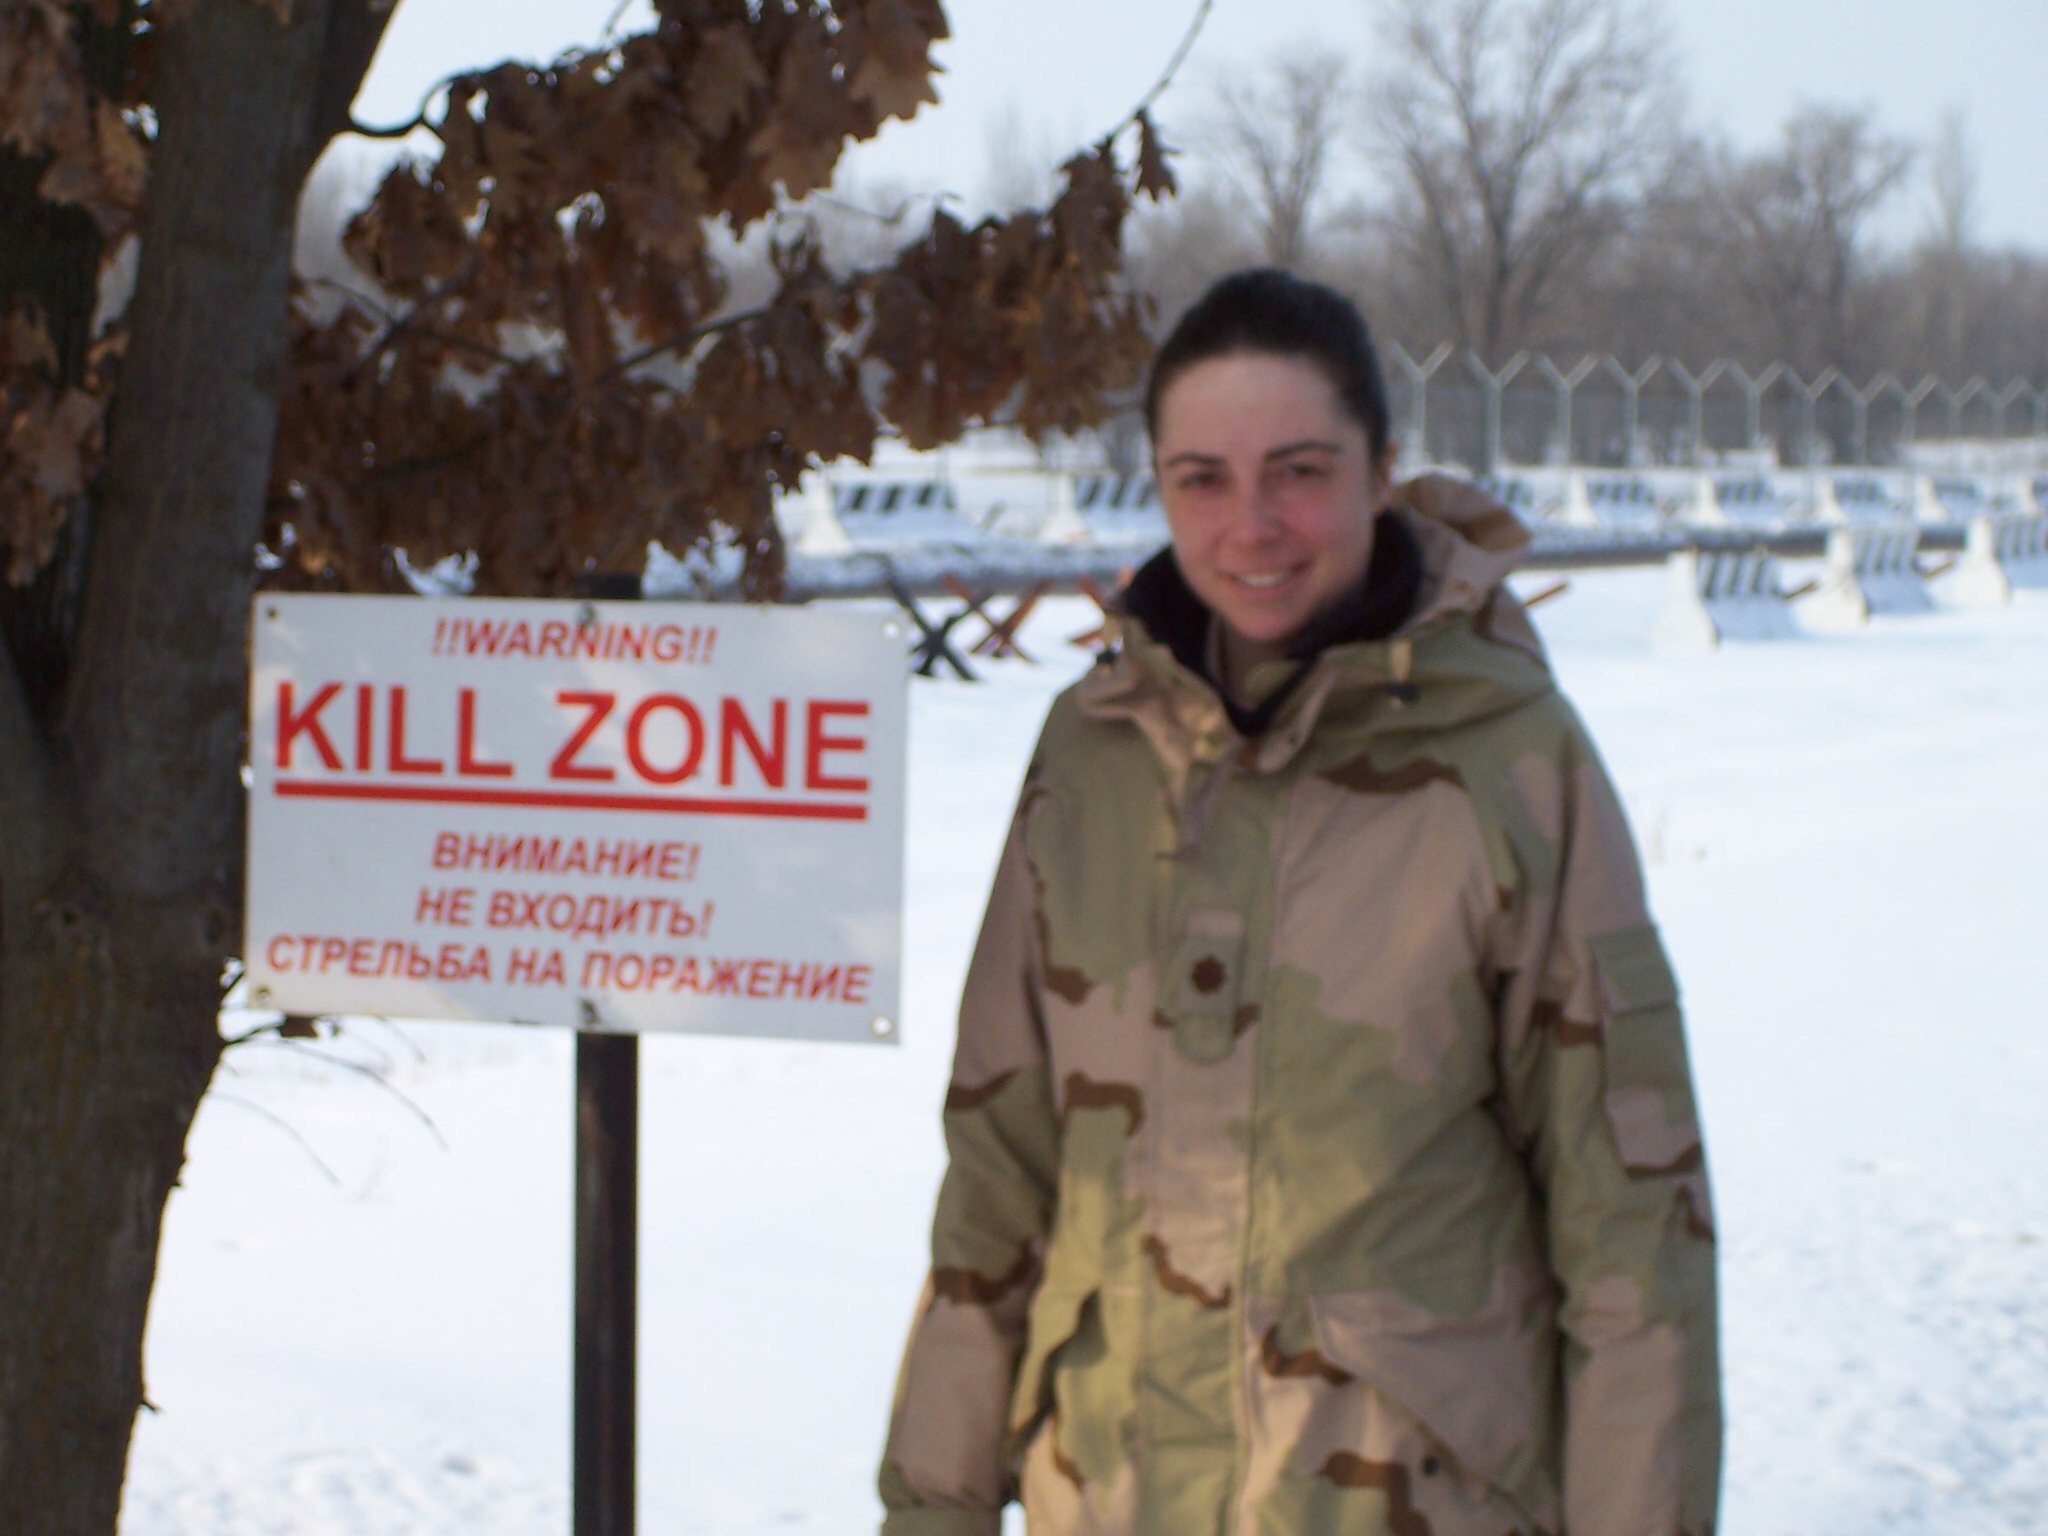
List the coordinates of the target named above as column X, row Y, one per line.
column 1520, row 174
column 1508, row 176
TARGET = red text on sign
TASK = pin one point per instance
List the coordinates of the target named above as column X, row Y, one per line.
column 809, row 746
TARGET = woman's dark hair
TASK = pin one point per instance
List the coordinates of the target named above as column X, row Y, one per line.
column 1265, row 310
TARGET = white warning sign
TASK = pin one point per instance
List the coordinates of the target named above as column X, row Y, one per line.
column 618, row 816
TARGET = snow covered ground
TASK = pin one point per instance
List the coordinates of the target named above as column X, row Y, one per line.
column 362, row 1323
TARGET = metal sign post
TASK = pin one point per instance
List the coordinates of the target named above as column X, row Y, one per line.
column 607, row 1282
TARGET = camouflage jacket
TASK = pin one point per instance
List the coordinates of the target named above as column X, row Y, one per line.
column 1323, row 1155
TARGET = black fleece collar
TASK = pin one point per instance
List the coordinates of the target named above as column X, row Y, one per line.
column 1160, row 599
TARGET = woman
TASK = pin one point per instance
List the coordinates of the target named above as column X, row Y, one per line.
column 1323, row 1153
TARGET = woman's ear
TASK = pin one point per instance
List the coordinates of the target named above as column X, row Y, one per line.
column 1384, row 472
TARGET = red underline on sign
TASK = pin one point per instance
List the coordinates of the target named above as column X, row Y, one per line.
column 555, row 800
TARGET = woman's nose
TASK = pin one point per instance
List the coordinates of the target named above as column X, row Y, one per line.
column 1254, row 516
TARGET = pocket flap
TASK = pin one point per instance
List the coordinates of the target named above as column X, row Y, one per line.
column 1482, row 1385
column 1648, row 1089
column 1633, row 970
column 1205, row 985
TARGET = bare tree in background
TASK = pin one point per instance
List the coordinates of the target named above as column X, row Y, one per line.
column 1273, row 135
column 1952, row 217
column 1949, row 306
column 1178, row 248
column 1790, row 223
column 1517, row 134
column 1952, row 184
column 1023, row 157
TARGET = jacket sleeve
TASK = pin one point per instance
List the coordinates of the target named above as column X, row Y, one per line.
column 945, row 1470
column 1597, row 1091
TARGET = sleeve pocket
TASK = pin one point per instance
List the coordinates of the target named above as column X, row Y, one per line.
column 1648, row 1088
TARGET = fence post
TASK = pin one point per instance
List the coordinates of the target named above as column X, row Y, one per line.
column 1757, row 387
column 2003, row 400
column 1930, row 385
column 1631, row 387
column 1418, row 376
column 1695, row 411
column 1881, row 384
column 1493, row 384
column 1809, row 402
column 1566, row 385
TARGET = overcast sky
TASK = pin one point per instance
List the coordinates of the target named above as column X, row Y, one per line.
column 1068, row 69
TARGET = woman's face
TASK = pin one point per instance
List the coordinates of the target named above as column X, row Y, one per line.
column 1269, row 490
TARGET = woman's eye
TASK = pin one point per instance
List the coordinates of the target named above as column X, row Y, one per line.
column 1296, row 476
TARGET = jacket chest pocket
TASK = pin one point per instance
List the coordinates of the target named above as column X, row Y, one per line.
column 1204, row 983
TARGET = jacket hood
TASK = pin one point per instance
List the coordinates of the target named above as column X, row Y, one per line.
column 1476, row 540
column 1465, row 651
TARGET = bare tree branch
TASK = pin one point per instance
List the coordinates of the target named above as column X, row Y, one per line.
column 1166, row 78
column 399, row 326
column 682, row 339
column 892, row 219
column 610, row 30
column 350, row 291
column 282, row 1124
column 363, row 130
column 329, row 1058
column 354, row 28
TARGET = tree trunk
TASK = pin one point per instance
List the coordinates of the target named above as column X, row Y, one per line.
column 121, row 821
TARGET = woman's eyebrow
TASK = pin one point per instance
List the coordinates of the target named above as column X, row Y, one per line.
column 1306, row 445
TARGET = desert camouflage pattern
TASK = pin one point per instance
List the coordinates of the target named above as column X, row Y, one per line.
column 1323, row 1155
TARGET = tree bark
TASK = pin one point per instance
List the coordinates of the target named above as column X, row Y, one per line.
column 51, row 261
column 113, row 939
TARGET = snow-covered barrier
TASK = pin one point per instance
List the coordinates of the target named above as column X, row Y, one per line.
column 1751, row 501
column 1115, row 493
column 1516, row 494
column 1868, row 569
column 1699, row 506
column 1610, row 501
column 1948, row 498
column 2000, row 551
column 1720, row 594
column 1120, row 509
column 820, row 532
column 1838, row 498
column 897, row 512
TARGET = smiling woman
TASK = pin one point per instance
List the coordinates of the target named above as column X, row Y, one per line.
column 1323, row 1149
column 1268, row 417
column 1269, row 526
